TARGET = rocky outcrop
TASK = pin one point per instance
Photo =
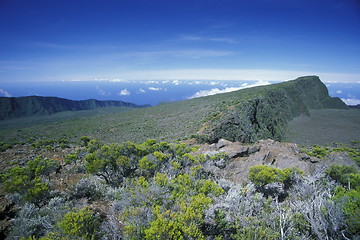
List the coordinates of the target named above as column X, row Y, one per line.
column 266, row 152
column 15, row 107
column 265, row 111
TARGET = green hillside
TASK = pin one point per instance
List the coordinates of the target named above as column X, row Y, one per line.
column 16, row 107
column 245, row 115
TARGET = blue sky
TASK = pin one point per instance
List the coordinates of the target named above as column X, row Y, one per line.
column 262, row 40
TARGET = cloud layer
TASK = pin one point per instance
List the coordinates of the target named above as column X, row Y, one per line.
column 351, row 101
column 238, row 74
column 214, row 91
column 5, row 93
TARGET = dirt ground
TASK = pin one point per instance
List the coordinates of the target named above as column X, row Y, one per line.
column 325, row 126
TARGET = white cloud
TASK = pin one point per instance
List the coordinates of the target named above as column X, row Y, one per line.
column 203, row 53
column 141, row 90
column 203, row 93
column 225, row 40
column 191, row 38
column 117, row 80
column 194, row 83
column 338, row 91
column 102, row 92
column 175, row 82
column 214, row 91
column 154, row 89
column 186, row 53
column 5, row 93
column 351, row 101
column 124, row 92
column 152, row 82
column 197, row 38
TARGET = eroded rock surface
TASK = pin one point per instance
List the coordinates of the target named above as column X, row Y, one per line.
column 266, row 152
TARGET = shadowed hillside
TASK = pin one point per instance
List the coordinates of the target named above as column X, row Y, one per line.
column 12, row 107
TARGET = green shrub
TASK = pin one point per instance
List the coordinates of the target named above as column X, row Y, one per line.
column 84, row 141
column 161, row 157
column 261, row 175
column 146, row 164
column 48, row 144
column 77, row 224
column 182, row 224
column 28, row 180
column 93, row 145
column 319, row 152
column 350, row 200
column 4, row 146
column 347, row 176
column 182, row 149
column 71, row 158
column 354, row 152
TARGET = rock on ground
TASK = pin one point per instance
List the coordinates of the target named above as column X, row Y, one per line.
column 266, row 152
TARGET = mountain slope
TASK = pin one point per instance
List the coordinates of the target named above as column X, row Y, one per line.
column 245, row 116
column 266, row 110
column 15, row 107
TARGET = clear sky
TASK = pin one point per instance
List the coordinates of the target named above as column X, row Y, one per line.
column 55, row 40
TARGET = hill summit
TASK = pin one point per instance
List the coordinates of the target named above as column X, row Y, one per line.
column 262, row 112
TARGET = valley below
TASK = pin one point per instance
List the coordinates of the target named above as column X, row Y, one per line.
column 325, row 126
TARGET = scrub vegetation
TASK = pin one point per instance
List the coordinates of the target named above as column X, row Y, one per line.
column 161, row 190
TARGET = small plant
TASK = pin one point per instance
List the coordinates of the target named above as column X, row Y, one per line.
column 281, row 180
column 48, row 144
column 319, row 152
column 79, row 223
column 84, row 141
column 71, row 158
column 353, row 152
column 261, row 175
column 88, row 188
column 4, row 146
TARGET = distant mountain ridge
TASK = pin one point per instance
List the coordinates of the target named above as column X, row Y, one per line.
column 16, row 107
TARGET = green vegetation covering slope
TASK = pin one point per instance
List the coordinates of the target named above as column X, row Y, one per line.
column 245, row 115
column 15, row 107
